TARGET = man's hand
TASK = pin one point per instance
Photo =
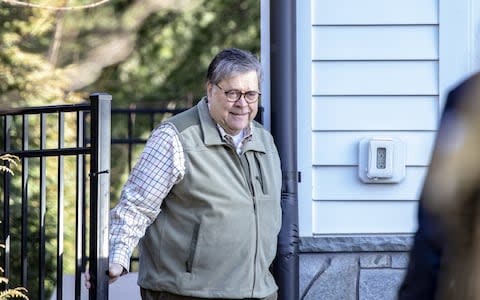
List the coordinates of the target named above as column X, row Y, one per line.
column 114, row 271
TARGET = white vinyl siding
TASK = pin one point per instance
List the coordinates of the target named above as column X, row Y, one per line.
column 375, row 78
column 374, row 72
column 328, row 179
column 341, row 148
column 342, row 113
column 374, row 42
column 373, row 68
column 376, row 12
column 365, row 216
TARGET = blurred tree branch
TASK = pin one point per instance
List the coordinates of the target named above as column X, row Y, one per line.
column 35, row 66
column 57, row 38
column 119, row 44
column 139, row 51
column 63, row 8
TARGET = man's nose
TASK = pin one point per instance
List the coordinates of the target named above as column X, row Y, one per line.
column 241, row 101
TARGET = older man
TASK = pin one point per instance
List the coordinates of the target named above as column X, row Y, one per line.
column 203, row 201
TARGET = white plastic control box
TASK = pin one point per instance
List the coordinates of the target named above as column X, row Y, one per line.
column 381, row 160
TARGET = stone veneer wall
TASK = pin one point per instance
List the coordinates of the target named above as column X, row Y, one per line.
column 352, row 267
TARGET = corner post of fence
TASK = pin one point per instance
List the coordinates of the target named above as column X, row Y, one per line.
column 100, row 193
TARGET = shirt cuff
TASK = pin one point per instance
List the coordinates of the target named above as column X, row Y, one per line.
column 117, row 257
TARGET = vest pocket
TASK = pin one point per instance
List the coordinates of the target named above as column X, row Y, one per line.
column 260, row 174
column 193, row 248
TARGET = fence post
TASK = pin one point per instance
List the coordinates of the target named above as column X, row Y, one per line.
column 100, row 193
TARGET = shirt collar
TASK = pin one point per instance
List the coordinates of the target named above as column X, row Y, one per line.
column 246, row 133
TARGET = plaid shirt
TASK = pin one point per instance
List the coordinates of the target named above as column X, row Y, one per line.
column 160, row 166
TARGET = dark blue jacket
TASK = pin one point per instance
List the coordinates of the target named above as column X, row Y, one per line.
column 422, row 274
column 425, row 257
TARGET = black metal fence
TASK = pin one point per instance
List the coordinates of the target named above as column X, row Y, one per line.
column 36, row 211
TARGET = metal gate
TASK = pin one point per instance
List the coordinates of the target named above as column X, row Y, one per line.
column 25, row 229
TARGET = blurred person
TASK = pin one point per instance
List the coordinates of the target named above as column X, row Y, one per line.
column 445, row 258
column 203, row 201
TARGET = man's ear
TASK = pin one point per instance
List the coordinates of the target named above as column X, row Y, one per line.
column 209, row 87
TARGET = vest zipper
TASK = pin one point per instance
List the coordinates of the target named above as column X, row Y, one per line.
column 255, row 215
column 249, row 179
column 256, row 246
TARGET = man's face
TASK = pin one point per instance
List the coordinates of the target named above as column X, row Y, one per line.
column 233, row 116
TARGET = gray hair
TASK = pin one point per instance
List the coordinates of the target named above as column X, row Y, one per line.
column 231, row 62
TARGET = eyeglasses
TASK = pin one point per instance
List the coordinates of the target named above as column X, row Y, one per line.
column 235, row 95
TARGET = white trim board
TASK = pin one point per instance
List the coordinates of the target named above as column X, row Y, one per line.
column 304, row 123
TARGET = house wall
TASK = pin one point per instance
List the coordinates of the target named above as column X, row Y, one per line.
column 374, row 72
column 366, row 69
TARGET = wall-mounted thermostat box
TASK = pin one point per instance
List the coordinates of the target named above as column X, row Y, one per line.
column 381, row 160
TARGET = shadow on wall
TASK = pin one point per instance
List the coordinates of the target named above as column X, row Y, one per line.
column 124, row 288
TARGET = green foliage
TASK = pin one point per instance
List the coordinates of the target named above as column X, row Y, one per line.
column 26, row 76
column 18, row 292
column 12, row 159
column 173, row 50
